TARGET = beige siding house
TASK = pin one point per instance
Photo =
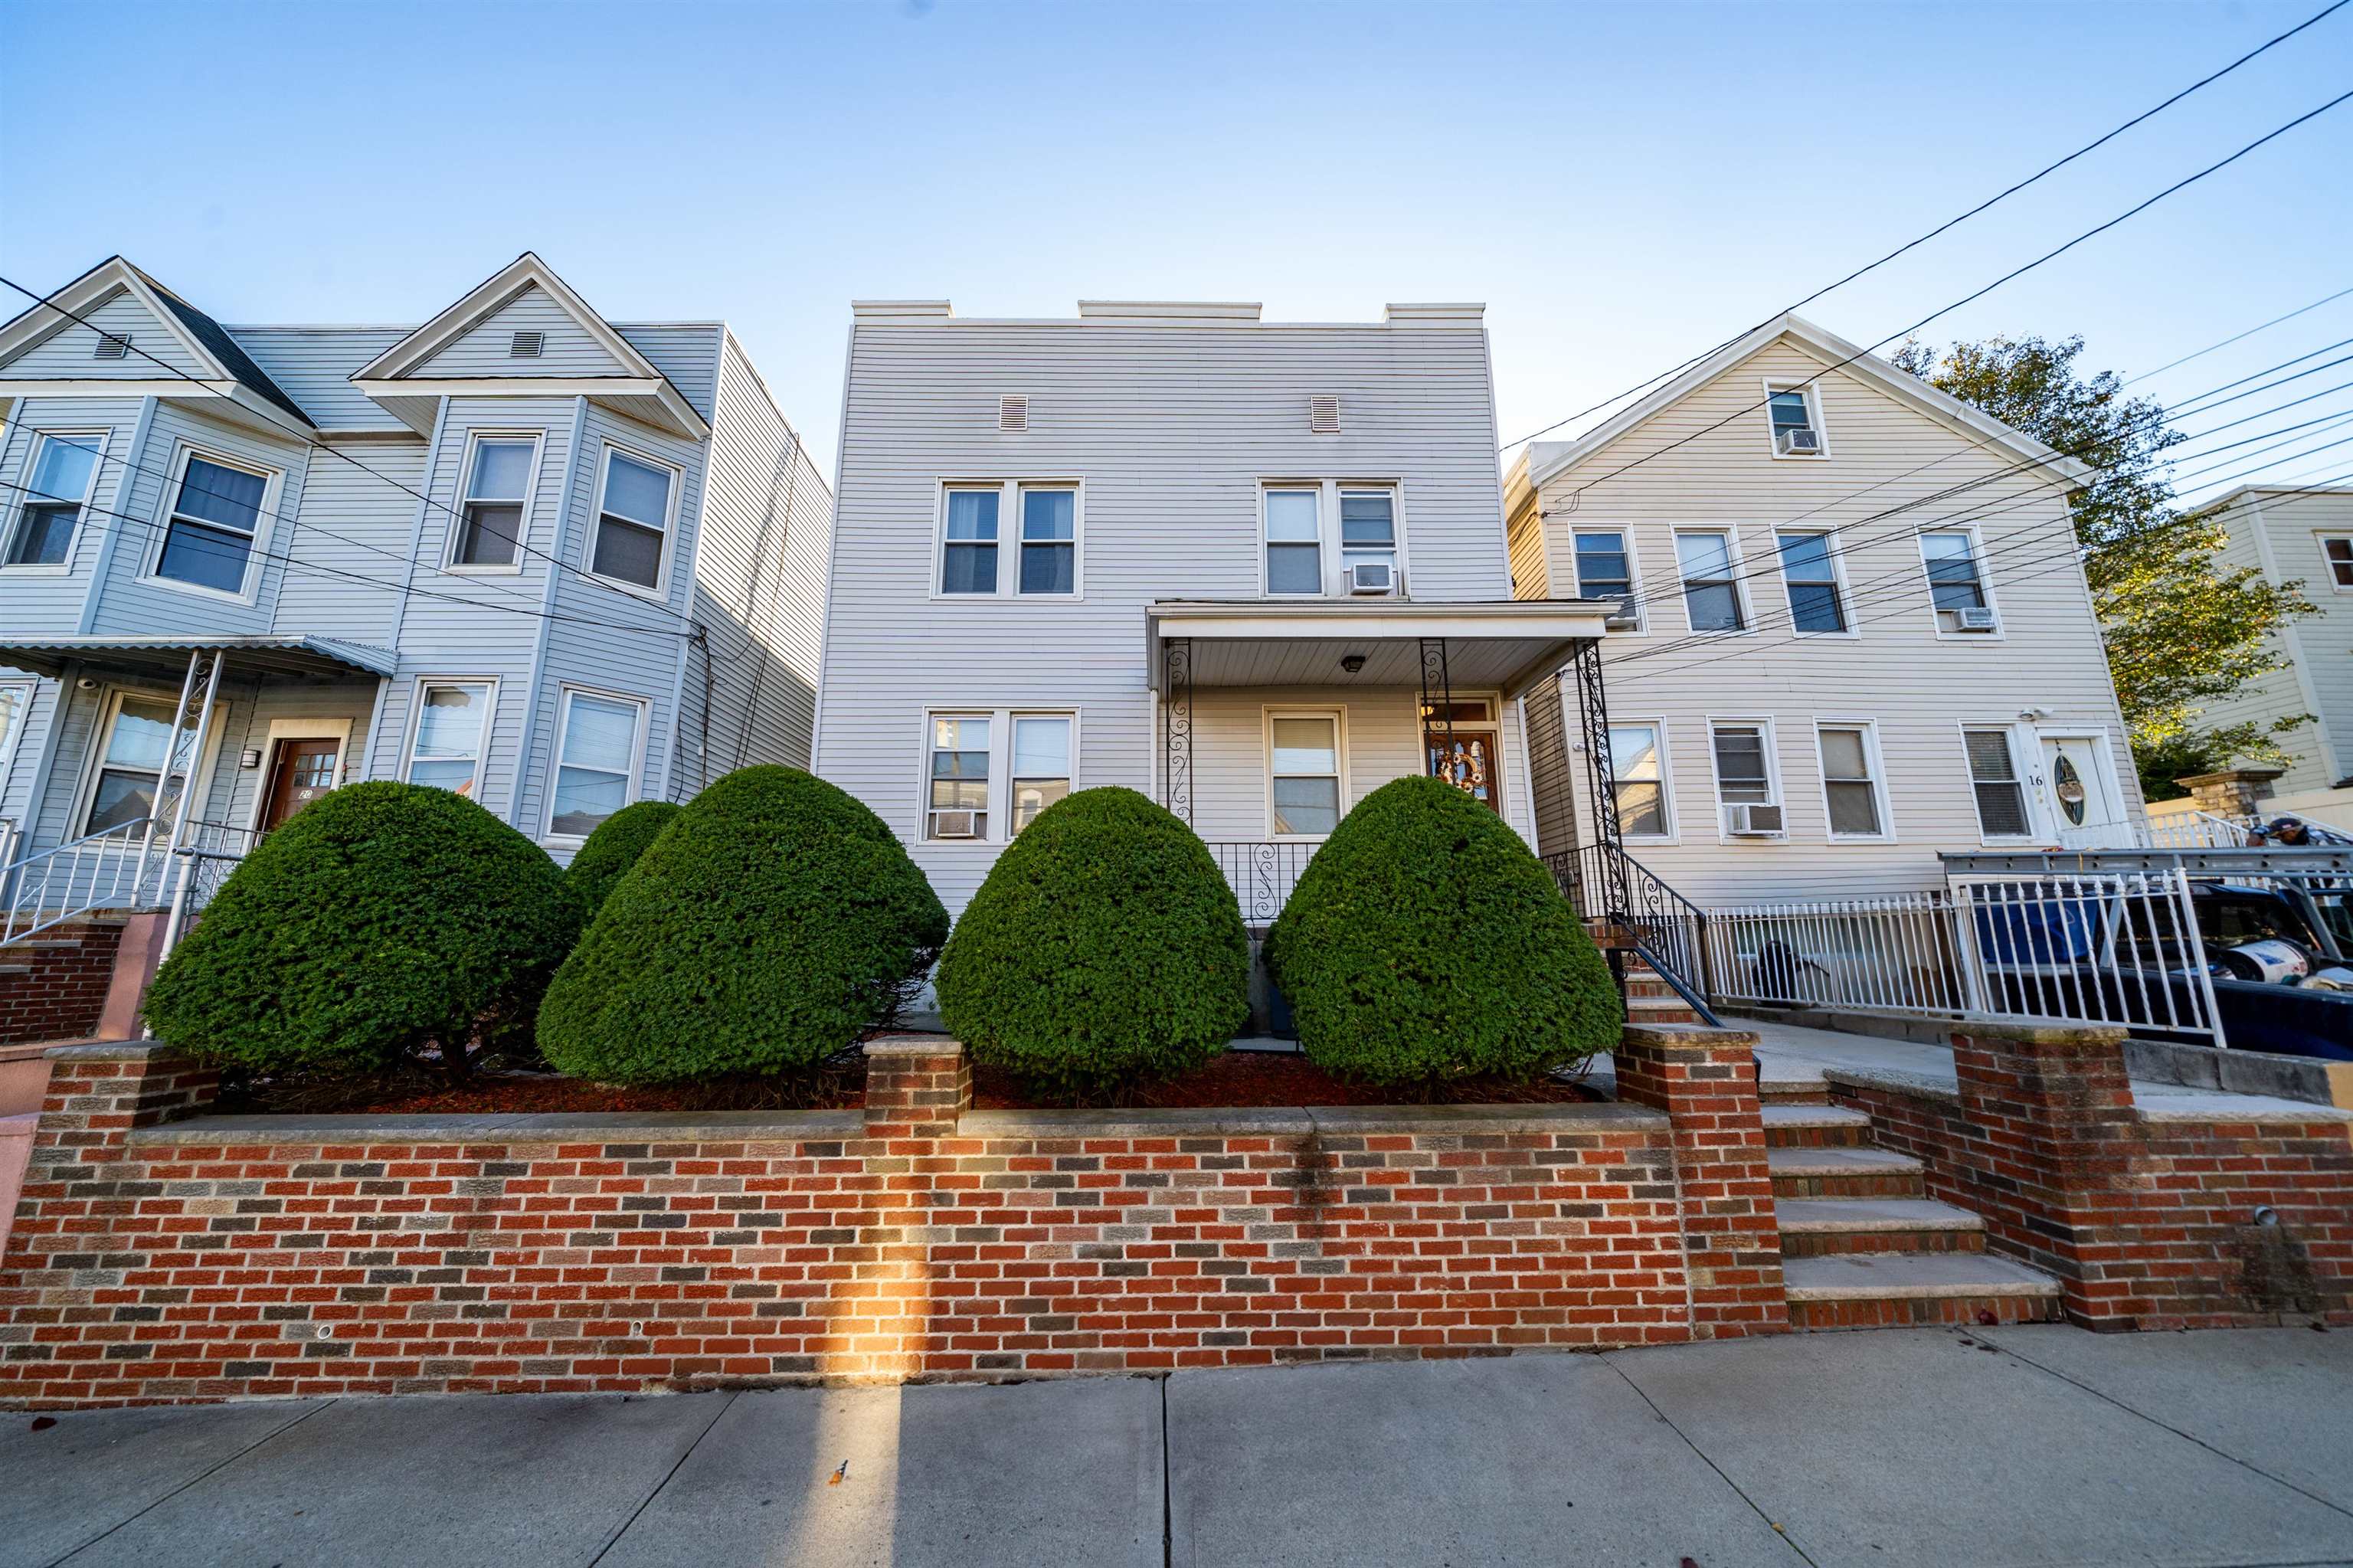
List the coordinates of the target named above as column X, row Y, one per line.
column 1853, row 632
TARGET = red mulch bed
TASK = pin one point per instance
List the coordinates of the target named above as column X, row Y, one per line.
column 1238, row 1078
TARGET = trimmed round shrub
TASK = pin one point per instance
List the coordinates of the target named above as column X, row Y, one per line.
column 384, row 922
column 1426, row 942
column 1103, row 949
column 774, row 923
column 611, row 850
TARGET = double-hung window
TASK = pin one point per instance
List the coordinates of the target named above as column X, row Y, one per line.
column 1041, row 764
column 1711, row 586
column 1636, row 763
column 2336, row 549
column 595, row 761
column 999, row 766
column 216, row 520
column 1955, row 585
column 1368, row 530
column 64, row 470
column 1050, row 539
column 1811, row 577
column 1302, row 774
column 15, row 701
column 1044, row 526
column 1993, row 776
column 132, row 782
column 958, row 806
column 453, row 722
column 968, row 555
column 1745, row 774
column 1796, row 432
column 633, row 519
column 1605, row 567
column 498, row 482
column 1850, row 781
column 1294, row 541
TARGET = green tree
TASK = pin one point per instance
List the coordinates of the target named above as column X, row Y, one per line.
column 2182, row 628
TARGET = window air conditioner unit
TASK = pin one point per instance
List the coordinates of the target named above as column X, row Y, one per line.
column 1371, row 576
column 954, row 825
column 1979, row 618
column 1627, row 617
column 1801, row 443
column 1752, row 821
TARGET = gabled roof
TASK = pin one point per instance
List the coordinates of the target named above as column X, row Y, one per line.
column 2233, row 495
column 642, row 391
column 1546, row 459
column 231, row 369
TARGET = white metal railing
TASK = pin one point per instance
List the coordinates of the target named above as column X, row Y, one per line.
column 2103, row 949
column 134, row 865
column 2192, row 830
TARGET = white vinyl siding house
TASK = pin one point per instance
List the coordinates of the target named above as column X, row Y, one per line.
column 1794, row 649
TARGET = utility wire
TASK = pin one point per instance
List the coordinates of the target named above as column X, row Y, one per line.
column 2251, row 331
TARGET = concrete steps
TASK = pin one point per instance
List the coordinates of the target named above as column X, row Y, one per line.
column 1824, row 1227
column 1844, row 1174
column 1815, row 1127
column 1902, row 1290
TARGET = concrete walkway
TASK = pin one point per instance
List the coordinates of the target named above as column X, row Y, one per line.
column 2039, row 1445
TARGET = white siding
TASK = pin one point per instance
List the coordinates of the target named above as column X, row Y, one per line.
column 52, row 602
column 314, row 365
column 484, row 349
column 70, row 353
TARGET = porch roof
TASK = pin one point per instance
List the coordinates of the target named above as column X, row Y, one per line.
column 164, row 654
column 1503, row 644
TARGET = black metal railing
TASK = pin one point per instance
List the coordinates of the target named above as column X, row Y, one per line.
column 1668, row 930
column 1263, row 872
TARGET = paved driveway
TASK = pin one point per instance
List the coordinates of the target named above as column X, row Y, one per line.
column 2030, row 1444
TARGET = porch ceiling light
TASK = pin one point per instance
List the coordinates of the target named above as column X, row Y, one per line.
column 1353, row 663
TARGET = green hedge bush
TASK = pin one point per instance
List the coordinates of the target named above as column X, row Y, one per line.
column 384, row 922
column 598, row 866
column 772, row 924
column 1103, row 949
column 1426, row 942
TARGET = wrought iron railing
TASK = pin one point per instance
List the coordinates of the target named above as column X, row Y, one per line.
column 1670, row 930
column 134, row 865
column 1263, row 872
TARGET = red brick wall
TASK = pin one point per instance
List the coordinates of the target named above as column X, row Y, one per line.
column 53, row 987
column 2149, row 1223
column 920, row 1240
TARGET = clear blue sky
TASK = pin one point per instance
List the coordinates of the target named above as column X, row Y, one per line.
column 1623, row 184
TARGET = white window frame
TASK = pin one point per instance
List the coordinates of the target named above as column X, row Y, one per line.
column 2030, row 810
column 166, row 509
column 1833, row 547
column 1339, row 717
column 1336, row 561
column 637, row 770
column 1000, row 763
column 1772, row 745
column 606, row 448
column 2320, row 541
column 1739, row 578
column 2000, row 631
column 417, row 691
column 1874, row 759
column 20, row 498
column 1810, row 390
column 474, row 439
column 11, row 726
column 1330, row 555
column 1657, row 725
column 1633, row 570
column 1008, row 538
column 94, row 754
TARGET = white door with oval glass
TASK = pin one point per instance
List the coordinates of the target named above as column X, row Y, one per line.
column 2077, row 790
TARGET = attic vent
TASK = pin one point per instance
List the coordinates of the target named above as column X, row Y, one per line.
column 527, row 345
column 1012, row 413
column 1324, row 413
column 112, row 346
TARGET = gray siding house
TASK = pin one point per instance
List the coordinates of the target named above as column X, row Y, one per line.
column 554, row 563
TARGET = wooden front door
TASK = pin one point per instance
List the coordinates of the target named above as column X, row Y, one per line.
column 1471, row 764
column 301, row 772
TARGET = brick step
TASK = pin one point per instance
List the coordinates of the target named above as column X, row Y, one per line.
column 1901, row 1290
column 1793, row 1092
column 1842, row 1173
column 1658, row 1009
column 1824, row 1227
column 1815, row 1127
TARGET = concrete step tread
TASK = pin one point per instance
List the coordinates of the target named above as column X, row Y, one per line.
column 1815, row 1115
column 1839, row 1162
column 1883, row 1276
column 1801, row 1215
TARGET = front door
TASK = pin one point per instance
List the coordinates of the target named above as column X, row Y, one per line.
column 1470, row 763
column 2077, row 795
column 303, row 771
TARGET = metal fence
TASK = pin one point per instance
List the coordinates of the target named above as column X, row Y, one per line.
column 2102, row 948
column 1263, row 872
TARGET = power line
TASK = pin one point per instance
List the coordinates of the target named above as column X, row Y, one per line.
column 1951, row 223
column 2251, row 331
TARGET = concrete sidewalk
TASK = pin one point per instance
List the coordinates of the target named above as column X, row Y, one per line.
column 2030, row 1444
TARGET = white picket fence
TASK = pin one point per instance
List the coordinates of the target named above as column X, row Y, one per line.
column 2092, row 948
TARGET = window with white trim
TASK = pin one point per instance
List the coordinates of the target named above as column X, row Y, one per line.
column 16, row 702
column 1605, row 567
column 968, row 550
column 1636, row 763
column 1955, row 583
column 498, row 482
column 1850, row 784
column 958, row 805
column 1797, row 427
column 1368, row 530
column 1041, row 764
column 634, row 504
column 132, row 783
column 1294, row 541
column 1050, row 539
column 1302, row 774
column 988, row 772
column 216, row 519
column 453, row 722
column 1743, row 754
column 1810, row 575
column 1711, row 583
column 1993, row 777
column 595, row 761
column 2336, row 549
column 62, row 471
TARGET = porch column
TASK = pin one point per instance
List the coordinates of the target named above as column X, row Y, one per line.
column 182, row 860
column 1177, row 726
column 1437, row 702
column 1601, row 777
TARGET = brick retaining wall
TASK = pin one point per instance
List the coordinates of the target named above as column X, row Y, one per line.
column 2150, row 1218
column 54, row 986
column 223, row 1257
